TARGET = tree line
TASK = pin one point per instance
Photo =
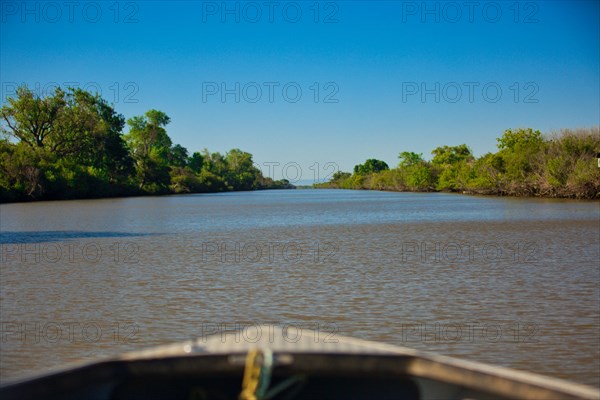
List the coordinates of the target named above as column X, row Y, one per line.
column 70, row 144
column 527, row 163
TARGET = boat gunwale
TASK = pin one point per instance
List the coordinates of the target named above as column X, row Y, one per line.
column 349, row 354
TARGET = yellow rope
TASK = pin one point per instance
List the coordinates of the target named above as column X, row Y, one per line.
column 251, row 375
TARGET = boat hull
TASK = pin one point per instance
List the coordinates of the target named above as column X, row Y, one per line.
column 212, row 368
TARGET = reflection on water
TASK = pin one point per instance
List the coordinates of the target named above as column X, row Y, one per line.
column 507, row 281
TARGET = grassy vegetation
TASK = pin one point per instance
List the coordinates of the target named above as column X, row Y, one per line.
column 561, row 164
column 70, row 144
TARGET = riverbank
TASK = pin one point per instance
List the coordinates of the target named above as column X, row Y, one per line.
column 70, row 144
column 489, row 193
column 137, row 193
column 527, row 164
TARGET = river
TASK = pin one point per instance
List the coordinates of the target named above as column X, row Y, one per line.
column 507, row 281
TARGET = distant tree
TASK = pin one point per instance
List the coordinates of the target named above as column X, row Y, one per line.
column 111, row 155
column 238, row 160
column 151, row 148
column 178, row 156
column 486, row 172
column 419, row 177
column 415, row 171
column 215, row 163
column 147, row 134
column 370, row 166
column 451, row 154
column 195, row 162
column 511, row 140
column 452, row 163
column 408, row 158
column 339, row 176
column 522, row 152
column 184, row 180
column 242, row 174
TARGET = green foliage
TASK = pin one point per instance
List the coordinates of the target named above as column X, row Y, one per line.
column 241, row 170
column 557, row 170
column 34, row 121
column 454, row 167
column 279, row 184
column 151, row 149
column 449, row 155
column 340, row 176
column 419, row 177
column 195, row 162
column 70, row 145
column 527, row 164
column 416, row 173
column 184, row 180
column 370, row 166
column 178, row 156
column 21, row 175
column 485, row 174
column 519, row 138
column 408, row 158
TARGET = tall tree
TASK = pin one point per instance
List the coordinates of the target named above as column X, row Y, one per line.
column 150, row 146
column 33, row 120
column 115, row 157
column 243, row 175
column 61, row 139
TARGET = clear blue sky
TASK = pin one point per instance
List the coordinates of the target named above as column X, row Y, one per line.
column 373, row 58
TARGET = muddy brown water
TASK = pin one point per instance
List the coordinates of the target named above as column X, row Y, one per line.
column 512, row 282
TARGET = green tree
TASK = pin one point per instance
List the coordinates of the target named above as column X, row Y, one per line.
column 178, row 156
column 416, row 173
column 242, row 174
column 519, row 138
column 448, row 155
column 339, row 176
column 69, row 144
column 106, row 151
column 21, row 173
column 69, row 137
column 215, row 163
column 370, row 166
column 408, row 158
column 195, row 162
column 485, row 175
column 453, row 166
column 419, row 177
column 151, row 149
column 184, row 180
column 522, row 152
column 33, row 120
